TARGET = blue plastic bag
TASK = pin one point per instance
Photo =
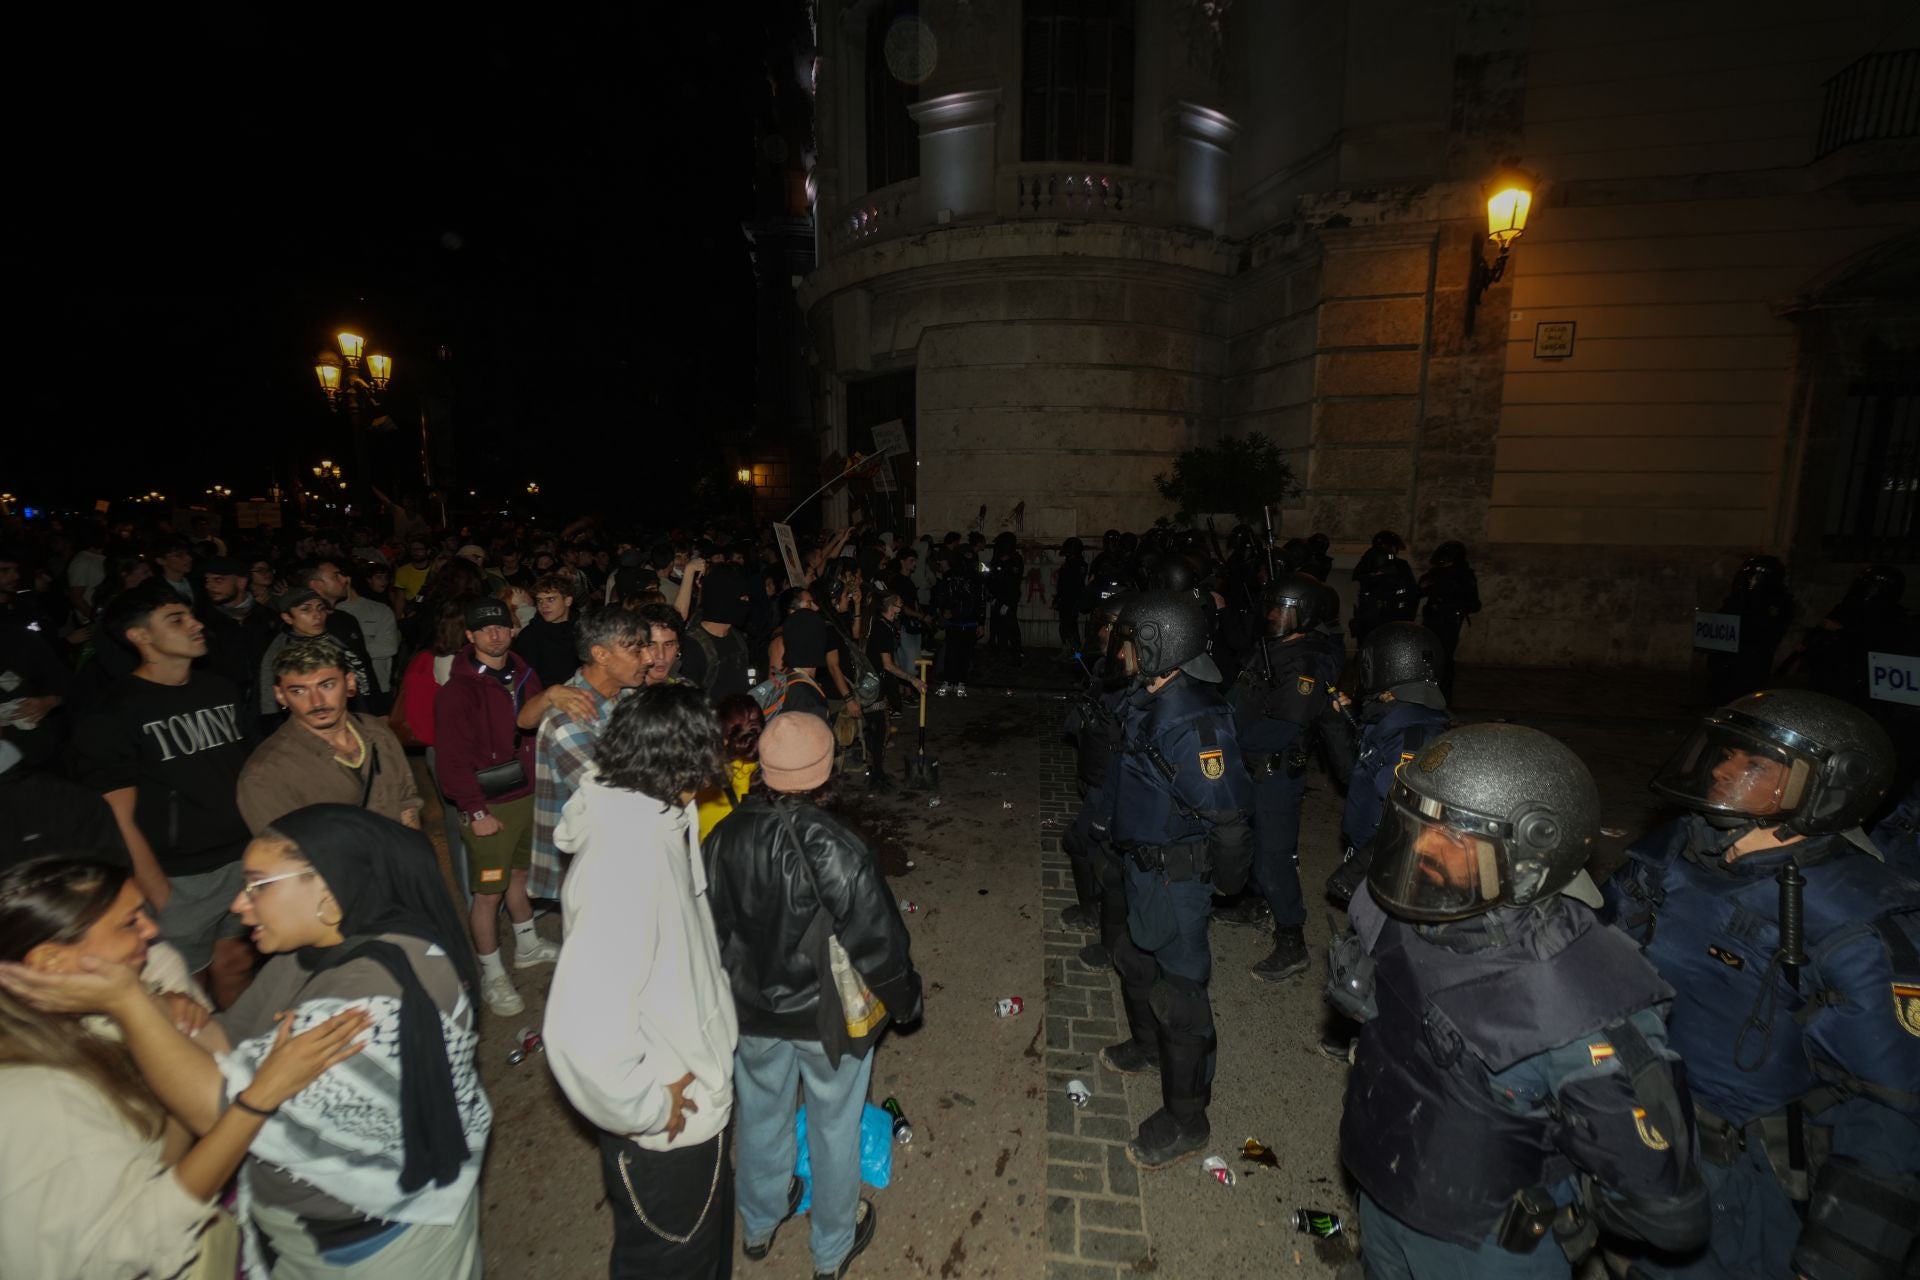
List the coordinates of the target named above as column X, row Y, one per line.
column 876, row 1152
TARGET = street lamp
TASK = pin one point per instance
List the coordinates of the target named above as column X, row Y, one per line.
column 334, row 379
column 533, row 489
column 1509, row 202
column 744, row 475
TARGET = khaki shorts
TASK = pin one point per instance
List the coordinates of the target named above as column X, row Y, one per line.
column 493, row 859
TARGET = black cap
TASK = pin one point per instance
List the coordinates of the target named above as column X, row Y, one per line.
column 488, row 612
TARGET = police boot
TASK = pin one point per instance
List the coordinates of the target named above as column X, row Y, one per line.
column 1179, row 1130
column 1289, row 955
column 1347, row 878
column 1140, row 1051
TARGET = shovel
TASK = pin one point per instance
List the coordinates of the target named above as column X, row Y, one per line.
column 922, row 772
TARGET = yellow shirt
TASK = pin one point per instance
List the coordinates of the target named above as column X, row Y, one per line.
column 714, row 805
column 409, row 579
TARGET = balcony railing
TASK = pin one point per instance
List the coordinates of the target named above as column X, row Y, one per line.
column 878, row 215
column 1875, row 99
column 1063, row 191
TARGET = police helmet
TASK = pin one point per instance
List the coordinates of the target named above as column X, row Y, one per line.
column 1294, row 554
column 1485, row 816
column 1761, row 573
column 1879, row 586
column 1174, row 572
column 1168, row 631
column 1106, row 595
column 1811, row 764
column 1300, row 601
column 1397, row 653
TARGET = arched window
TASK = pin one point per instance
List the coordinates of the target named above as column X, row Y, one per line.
column 1076, row 81
column 893, row 141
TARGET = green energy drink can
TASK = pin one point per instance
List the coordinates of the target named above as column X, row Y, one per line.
column 1317, row 1222
column 902, row 1131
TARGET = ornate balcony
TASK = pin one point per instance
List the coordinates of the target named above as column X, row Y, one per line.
column 878, row 215
column 1058, row 190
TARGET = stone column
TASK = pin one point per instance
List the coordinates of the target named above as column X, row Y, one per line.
column 957, row 142
column 1202, row 148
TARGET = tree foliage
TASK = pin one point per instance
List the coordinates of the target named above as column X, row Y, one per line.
column 1240, row 474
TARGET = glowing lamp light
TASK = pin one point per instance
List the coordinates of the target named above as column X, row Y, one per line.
column 744, row 475
column 380, row 369
column 351, row 345
column 329, row 375
column 1507, row 214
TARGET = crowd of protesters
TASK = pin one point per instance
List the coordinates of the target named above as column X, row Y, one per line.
column 232, row 961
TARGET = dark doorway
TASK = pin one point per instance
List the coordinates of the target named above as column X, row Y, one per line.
column 891, row 498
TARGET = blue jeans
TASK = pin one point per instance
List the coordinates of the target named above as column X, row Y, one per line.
column 1392, row 1250
column 764, row 1073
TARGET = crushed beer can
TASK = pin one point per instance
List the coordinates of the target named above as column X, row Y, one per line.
column 1078, row 1093
column 1215, row 1167
column 1318, row 1222
column 1008, row 1006
column 934, row 803
column 529, row 1042
column 908, row 907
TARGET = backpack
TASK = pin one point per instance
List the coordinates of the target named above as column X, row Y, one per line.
column 860, row 672
column 771, row 693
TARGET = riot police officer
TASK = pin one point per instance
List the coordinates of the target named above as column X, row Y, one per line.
column 1760, row 598
column 1795, row 955
column 1177, row 798
column 1006, row 577
column 1512, row 1078
column 1280, row 703
column 1401, row 669
column 1093, row 726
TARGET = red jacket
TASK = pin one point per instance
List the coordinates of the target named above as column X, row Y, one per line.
column 473, row 728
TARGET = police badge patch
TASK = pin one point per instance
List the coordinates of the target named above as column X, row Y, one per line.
column 1304, row 685
column 1649, row 1136
column 1213, row 764
column 1906, row 1007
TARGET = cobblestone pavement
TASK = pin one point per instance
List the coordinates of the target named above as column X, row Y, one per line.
column 1005, row 1177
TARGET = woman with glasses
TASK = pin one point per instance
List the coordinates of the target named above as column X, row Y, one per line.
column 98, row 1181
column 374, row 1169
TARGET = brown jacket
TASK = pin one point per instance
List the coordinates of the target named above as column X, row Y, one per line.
column 295, row 767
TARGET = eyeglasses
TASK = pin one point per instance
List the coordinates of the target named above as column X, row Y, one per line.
column 252, row 888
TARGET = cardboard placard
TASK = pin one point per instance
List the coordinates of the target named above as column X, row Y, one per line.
column 890, row 438
column 790, row 555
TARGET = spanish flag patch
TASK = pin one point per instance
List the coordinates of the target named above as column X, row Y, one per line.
column 1599, row 1053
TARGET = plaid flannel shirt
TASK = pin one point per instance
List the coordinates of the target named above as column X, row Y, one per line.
column 562, row 755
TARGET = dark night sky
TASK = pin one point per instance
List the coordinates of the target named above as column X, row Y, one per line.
column 555, row 194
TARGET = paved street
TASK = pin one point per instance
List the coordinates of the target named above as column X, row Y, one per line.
column 1004, row 1177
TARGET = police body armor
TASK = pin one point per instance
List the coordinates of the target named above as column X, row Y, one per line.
column 1421, row 1131
column 1714, row 931
column 1270, row 715
column 1393, row 732
column 1145, row 812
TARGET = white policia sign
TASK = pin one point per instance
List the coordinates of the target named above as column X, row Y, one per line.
column 1894, row 677
column 1719, row 632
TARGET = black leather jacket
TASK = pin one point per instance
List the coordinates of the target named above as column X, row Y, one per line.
column 765, row 888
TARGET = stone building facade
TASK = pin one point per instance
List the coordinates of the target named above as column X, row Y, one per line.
column 1705, row 344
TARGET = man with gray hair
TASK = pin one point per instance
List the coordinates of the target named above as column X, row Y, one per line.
column 616, row 651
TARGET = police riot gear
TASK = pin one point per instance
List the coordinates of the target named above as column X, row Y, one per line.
column 1392, row 733
column 1299, row 600
column 1802, row 760
column 1168, row 632
column 1401, row 653
column 1177, row 795
column 1486, row 815
column 1834, row 1057
column 1504, row 1052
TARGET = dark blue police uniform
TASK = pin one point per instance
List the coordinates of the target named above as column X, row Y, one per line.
column 1844, row 1045
column 1178, row 796
column 1273, row 716
column 1390, row 733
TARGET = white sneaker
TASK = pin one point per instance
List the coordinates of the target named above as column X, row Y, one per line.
column 960, row 691
column 943, row 691
column 500, row 996
column 540, row 951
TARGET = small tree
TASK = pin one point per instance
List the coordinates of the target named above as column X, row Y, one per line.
column 1240, row 474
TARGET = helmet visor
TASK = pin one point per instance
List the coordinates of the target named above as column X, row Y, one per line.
column 1726, row 769
column 1434, row 863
